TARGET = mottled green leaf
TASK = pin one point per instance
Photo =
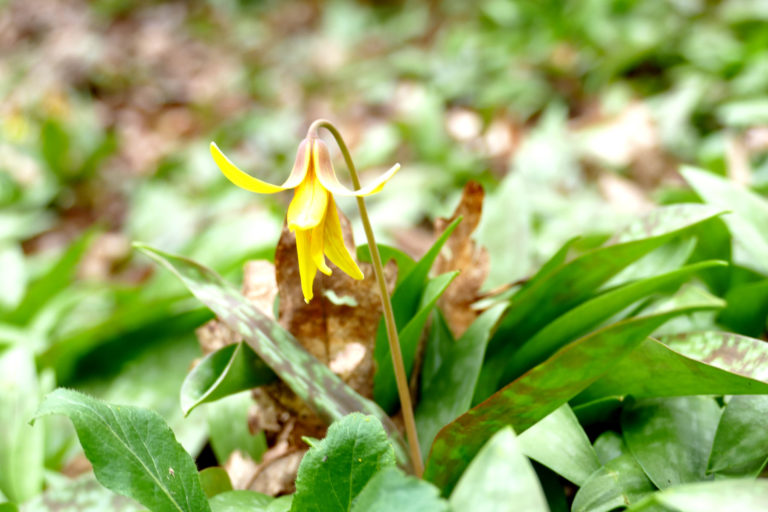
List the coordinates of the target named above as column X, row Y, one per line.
column 448, row 393
column 240, row 501
column 229, row 370
column 21, row 446
column 214, row 480
column 592, row 313
column 706, row 363
column 133, row 452
column 740, row 447
column 391, row 490
column 748, row 220
column 384, row 384
column 573, row 282
column 721, row 496
column 499, row 478
column 541, row 390
column 559, row 443
column 336, row 469
column 85, row 494
column 311, row 380
column 620, row 482
column 671, row 437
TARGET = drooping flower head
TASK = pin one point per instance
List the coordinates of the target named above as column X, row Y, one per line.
column 312, row 214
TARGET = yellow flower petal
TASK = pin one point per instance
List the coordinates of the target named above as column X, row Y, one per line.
column 316, row 249
column 324, row 168
column 248, row 182
column 334, row 243
column 307, row 268
column 307, row 208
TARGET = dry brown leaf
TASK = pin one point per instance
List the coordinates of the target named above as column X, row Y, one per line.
column 462, row 254
column 339, row 325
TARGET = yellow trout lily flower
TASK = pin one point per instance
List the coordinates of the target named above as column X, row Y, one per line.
column 312, row 214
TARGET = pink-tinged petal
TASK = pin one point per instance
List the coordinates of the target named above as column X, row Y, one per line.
column 327, row 176
column 307, row 208
column 248, row 182
column 334, row 244
column 307, row 268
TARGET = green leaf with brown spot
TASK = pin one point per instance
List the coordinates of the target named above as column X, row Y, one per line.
column 543, row 389
column 706, row 363
column 311, row 380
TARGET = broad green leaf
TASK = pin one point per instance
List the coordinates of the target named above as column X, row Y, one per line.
column 706, row 363
column 13, row 275
column 8, row 507
column 311, row 380
column 84, row 494
column 499, row 478
column 608, row 446
column 748, row 220
column 404, row 262
column 56, row 279
column 21, row 446
column 281, row 504
column 240, row 501
column 448, row 394
column 133, row 452
column 720, row 496
column 336, row 469
column 227, row 371
column 746, row 308
column 391, row 490
column 409, row 297
column 384, row 385
column 559, row 443
column 572, row 283
column 228, row 428
column 592, row 313
column 671, row 437
column 620, row 482
column 740, row 447
column 214, row 480
column 440, row 343
column 541, row 390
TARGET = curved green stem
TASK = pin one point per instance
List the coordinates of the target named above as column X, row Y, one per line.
column 389, row 317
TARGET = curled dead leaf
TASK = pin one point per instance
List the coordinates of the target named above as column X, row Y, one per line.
column 462, row 254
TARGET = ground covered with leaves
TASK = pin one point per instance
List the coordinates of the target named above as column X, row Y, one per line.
column 575, row 249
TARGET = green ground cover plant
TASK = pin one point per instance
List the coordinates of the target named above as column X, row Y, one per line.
column 564, row 309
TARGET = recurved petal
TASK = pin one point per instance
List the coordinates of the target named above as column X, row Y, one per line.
column 307, row 269
column 327, row 176
column 307, row 208
column 248, row 182
column 334, row 243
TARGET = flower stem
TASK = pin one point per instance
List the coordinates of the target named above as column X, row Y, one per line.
column 389, row 317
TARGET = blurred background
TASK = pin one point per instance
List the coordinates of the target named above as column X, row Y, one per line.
column 575, row 117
